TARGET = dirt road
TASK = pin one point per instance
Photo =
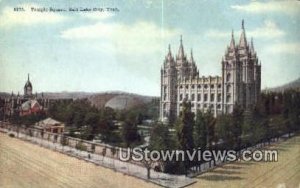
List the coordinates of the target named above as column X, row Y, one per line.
column 23, row 164
column 281, row 174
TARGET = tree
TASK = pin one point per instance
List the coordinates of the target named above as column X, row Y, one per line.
column 185, row 125
column 113, row 151
column 236, row 126
column 210, row 122
column 160, row 137
column 224, row 131
column 200, row 131
column 130, row 132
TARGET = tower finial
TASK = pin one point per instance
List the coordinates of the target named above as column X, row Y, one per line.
column 192, row 57
column 181, row 39
column 28, row 76
column 232, row 42
column 169, row 47
column 180, row 54
column 243, row 27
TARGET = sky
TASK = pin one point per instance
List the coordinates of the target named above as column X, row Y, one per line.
column 124, row 48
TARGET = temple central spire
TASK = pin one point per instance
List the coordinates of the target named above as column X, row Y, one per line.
column 243, row 40
column 243, row 27
column 180, row 54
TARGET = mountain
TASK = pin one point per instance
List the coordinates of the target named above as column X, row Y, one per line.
column 291, row 85
column 112, row 99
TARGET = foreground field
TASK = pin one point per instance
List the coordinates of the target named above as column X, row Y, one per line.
column 26, row 165
column 281, row 174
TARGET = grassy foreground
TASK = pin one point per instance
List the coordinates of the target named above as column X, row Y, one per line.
column 281, row 174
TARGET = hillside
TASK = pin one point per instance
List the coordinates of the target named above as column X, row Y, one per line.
column 291, row 85
column 112, row 99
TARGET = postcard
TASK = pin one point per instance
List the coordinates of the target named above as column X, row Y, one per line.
column 149, row 93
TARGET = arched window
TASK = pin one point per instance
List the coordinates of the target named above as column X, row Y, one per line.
column 165, row 106
column 199, row 97
column 228, row 87
column 212, row 97
column 228, row 98
column 219, row 98
column 205, row 97
column 228, row 77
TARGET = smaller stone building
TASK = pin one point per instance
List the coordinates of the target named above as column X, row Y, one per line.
column 50, row 125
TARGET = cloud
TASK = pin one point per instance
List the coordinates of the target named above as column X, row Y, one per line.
column 284, row 48
column 10, row 18
column 286, row 7
column 139, row 37
column 97, row 15
column 269, row 30
column 217, row 34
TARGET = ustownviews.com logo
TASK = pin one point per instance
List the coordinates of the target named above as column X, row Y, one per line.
column 138, row 154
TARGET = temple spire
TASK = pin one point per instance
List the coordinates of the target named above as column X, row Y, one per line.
column 232, row 42
column 252, row 46
column 243, row 27
column 169, row 57
column 180, row 39
column 180, row 50
column 28, row 76
column 192, row 57
column 243, row 41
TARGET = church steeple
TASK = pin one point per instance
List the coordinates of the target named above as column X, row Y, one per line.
column 28, row 88
column 169, row 57
column 243, row 40
column 180, row 54
column 252, row 46
column 192, row 57
column 232, row 42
